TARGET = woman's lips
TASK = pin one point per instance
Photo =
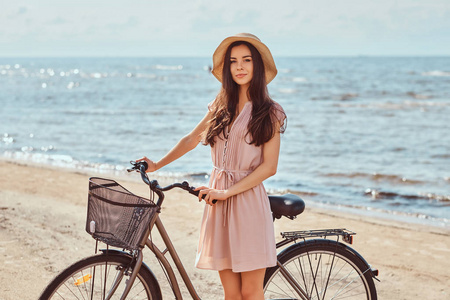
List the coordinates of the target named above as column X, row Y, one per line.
column 240, row 75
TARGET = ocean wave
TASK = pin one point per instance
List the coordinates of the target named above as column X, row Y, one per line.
column 396, row 106
column 60, row 160
column 376, row 177
column 285, row 70
column 72, row 85
column 402, row 215
column 94, row 112
column 299, row 79
column 288, row 90
column 143, row 75
column 338, row 97
column 95, row 75
column 418, row 96
column 168, row 67
column 378, row 194
column 348, row 96
column 69, row 162
column 439, row 198
column 446, row 155
column 437, row 73
column 321, row 98
column 302, row 193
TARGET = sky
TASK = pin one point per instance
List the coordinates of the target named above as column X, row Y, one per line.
column 109, row 28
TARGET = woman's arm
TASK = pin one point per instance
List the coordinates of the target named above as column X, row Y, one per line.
column 266, row 169
column 184, row 145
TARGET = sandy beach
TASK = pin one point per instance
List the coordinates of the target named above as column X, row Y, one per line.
column 42, row 221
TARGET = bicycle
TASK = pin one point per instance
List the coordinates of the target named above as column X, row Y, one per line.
column 311, row 267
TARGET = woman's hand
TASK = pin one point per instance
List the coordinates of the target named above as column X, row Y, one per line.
column 211, row 194
column 151, row 164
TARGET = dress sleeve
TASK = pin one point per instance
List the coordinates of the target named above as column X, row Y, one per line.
column 279, row 116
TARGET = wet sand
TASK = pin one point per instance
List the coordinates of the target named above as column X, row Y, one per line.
column 42, row 221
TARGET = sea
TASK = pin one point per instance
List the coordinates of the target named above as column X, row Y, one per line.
column 367, row 134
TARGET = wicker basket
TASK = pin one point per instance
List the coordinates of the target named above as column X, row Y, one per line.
column 116, row 216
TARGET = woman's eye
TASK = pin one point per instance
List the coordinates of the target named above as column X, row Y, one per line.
column 232, row 61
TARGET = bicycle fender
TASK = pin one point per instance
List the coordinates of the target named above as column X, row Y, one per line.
column 374, row 272
column 144, row 265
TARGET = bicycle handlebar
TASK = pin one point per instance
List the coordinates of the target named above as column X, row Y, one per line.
column 142, row 166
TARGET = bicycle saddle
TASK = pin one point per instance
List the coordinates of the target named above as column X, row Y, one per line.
column 288, row 205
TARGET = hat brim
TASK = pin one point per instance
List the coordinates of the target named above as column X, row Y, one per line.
column 219, row 55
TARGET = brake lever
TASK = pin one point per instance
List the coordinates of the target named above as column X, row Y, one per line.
column 134, row 166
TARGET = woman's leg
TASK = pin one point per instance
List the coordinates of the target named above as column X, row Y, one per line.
column 252, row 285
column 231, row 283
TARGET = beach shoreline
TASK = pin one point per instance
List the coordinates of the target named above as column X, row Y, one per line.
column 42, row 231
column 312, row 200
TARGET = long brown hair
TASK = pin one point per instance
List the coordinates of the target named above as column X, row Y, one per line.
column 264, row 110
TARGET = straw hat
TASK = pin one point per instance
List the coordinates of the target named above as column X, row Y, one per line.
column 219, row 55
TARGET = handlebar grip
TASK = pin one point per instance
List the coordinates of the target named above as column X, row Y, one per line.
column 141, row 166
column 138, row 166
column 144, row 164
column 191, row 191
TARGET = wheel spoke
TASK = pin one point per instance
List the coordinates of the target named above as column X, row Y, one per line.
column 302, row 274
column 323, row 273
column 101, row 277
column 358, row 276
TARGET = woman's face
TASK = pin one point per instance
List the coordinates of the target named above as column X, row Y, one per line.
column 241, row 65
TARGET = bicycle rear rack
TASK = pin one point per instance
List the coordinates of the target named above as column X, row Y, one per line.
column 347, row 235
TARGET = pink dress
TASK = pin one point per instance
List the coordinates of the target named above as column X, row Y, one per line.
column 237, row 233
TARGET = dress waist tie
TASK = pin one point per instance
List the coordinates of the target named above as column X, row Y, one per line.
column 230, row 176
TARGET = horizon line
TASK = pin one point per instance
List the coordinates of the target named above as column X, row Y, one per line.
column 199, row 56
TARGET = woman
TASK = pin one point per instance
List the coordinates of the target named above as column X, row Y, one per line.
column 242, row 126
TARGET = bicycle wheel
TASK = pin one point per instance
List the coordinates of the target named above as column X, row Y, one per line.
column 98, row 276
column 323, row 269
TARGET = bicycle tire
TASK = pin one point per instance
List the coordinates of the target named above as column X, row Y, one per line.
column 93, row 277
column 324, row 269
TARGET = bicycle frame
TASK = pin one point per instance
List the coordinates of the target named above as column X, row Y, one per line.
column 288, row 238
column 297, row 249
column 164, row 261
column 167, row 266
